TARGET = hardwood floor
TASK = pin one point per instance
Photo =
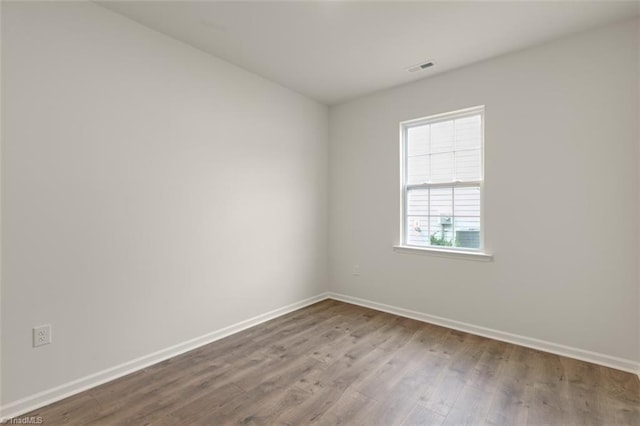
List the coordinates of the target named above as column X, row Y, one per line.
column 335, row 363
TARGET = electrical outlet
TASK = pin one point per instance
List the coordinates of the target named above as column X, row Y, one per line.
column 41, row 335
column 356, row 270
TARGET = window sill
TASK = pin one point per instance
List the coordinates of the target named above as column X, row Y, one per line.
column 456, row 254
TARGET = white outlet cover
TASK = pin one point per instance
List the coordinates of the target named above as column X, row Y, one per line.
column 41, row 335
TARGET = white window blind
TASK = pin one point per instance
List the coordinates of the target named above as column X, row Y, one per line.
column 442, row 180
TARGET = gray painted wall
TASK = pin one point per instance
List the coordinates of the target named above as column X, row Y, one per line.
column 561, row 154
column 150, row 193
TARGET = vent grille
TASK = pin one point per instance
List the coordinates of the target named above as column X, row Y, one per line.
column 421, row 67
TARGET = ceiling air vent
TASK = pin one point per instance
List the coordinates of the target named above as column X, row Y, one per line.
column 421, row 67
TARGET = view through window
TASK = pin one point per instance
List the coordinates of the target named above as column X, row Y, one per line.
column 442, row 180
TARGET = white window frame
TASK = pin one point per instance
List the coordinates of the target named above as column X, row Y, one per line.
column 479, row 252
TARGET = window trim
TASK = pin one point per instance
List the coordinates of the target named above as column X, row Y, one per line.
column 464, row 252
column 444, row 252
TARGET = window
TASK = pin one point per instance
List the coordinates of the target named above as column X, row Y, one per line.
column 442, row 176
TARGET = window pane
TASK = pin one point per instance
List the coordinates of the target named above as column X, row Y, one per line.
column 468, row 132
column 441, row 231
column 441, row 202
column 467, row 232
column 417, row 140
column 441, row 157
column 442, row 137
column 442, row 167
column 417, row 169
column 466, row 201
column 468, row 165
column 418, row 202
column 417, row 231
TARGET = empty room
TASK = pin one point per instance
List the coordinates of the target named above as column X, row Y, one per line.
column 320, row 212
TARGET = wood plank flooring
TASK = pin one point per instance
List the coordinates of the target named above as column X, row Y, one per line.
column 335, row 363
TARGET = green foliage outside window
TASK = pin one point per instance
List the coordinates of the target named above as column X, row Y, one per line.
column 439, row 241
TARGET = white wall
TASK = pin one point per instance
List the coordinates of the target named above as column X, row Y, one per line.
column 150, row 193
column 561, row 153
column 638, row 121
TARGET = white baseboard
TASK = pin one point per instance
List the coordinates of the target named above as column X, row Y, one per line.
column 542, row 345
column 33, row 402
